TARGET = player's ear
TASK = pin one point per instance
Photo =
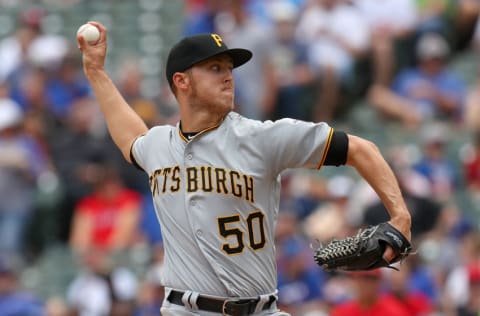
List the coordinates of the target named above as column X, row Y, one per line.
column 181, row 80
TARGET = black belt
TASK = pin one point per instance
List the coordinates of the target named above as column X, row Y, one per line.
column 234, row 307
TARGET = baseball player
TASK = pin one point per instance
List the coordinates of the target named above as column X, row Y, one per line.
column 215, row 177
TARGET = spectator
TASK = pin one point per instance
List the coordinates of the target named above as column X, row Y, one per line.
column 75, row 148
column 108, row 218
column 432, row 16
column 435, row 164
column 441, row 250
column 333, row 52
column 471, row 115
column 262, row 9
column 65, row 85
column 150, row 298
column 330, row 219
column 392, row 25
column 475, row 43
column 21, row 163
column 201, row 15
column 13, row 300
column 148, row 223
column 43, row 230
column 102, row 288
column 457, row 290
column 152, row 293
column 429, row 91
column 130, row 78
column 424, row 211
column 254, row 82
column 302, row 192
column 401, row 288
column 462, row 17
column 454, row 19
column 299, row 279
column 28, row 56
column 368, row 298
column 471, row 167
column 56, row 306
column 30, row 45
column 293, row 77
column 472, row 306
column 27, row 88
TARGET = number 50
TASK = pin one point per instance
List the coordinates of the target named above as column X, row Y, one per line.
column 228, row 229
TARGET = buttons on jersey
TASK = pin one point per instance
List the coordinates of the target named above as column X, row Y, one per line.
column 193, row 203
column 199, row 233
column 189, row 156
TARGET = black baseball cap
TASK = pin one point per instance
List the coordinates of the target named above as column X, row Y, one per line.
column 196, row 48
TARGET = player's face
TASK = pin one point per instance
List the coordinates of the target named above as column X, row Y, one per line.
column 211, row 84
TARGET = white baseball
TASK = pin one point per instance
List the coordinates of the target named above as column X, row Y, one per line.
column 89, row 32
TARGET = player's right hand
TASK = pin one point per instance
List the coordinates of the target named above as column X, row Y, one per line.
column 94, row 54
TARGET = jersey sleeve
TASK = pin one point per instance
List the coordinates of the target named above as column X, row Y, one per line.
column 145, row 147
column 289, row 143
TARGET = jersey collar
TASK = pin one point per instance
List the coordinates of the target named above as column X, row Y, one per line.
column 188, row 139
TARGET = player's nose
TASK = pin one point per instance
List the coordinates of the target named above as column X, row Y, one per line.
column 228, row 78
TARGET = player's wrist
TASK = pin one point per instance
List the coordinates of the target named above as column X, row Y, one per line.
column 94, row 72
column 403, row 223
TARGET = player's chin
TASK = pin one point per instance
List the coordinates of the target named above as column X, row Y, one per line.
column 227, row 107
column 227, row 101
column 222, row 106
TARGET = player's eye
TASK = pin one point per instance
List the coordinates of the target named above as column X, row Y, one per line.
column 220, row 68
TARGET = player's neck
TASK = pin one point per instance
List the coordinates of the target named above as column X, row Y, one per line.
column 199, row 121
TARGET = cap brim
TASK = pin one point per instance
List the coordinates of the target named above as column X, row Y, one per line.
column 239, row 56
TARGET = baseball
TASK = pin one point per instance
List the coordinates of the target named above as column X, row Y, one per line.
column 89, row 32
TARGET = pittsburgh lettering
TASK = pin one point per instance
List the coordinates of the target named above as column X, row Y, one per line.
column 204, row 179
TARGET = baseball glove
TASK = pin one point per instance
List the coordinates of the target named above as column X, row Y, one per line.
column 363, row 251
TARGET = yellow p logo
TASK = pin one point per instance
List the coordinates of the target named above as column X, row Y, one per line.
column 217, row 39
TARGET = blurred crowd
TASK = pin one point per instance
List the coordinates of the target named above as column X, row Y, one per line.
column 64, row 184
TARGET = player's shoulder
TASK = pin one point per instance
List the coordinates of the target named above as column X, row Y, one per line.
column 237, row 120
column 159, row 131
column 254, row 126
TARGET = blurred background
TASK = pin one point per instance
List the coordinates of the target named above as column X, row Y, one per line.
column 78, row 233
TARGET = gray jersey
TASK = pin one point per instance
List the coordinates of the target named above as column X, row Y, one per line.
column 217, row 197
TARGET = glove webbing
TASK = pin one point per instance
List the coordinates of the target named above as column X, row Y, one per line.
column 341, row 248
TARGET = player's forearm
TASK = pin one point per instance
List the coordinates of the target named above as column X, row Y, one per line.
column 365, row 157
column 123, row 123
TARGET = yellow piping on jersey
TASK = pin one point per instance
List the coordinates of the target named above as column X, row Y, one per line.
column 199, row 133
column 327, row 147
column 181, row 136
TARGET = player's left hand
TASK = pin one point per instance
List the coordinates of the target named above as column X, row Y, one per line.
column 404, row 228
column 371, row 248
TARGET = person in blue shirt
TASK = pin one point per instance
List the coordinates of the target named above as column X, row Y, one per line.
column 429, row 91
column 13, row 300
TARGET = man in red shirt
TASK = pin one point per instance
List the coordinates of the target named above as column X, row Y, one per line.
column 108, row 218
column 368, row 300
column 471, row 166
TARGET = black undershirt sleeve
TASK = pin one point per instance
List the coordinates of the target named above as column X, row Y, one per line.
column 132, row 158
column 338, row 150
